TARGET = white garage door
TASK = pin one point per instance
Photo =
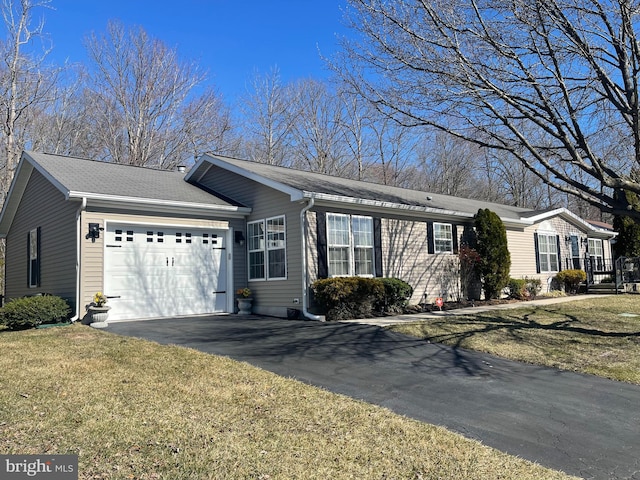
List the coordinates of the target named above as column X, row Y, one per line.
column 154, row 271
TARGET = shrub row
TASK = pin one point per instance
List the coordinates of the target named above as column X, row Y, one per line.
column 342, row 298
column 29, row 312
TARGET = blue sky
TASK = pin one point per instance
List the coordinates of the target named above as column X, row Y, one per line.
column 229, row 38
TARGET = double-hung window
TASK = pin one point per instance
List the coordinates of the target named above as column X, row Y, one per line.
column 350, row 245
column 266, row 240
column 595, row 253
column 443, row 238
column 548, row 252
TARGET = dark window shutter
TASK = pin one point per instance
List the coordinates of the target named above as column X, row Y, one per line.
column 430, row 241
column 321, row 244
column 39, row 260
column 559, row 256
column 28, row 258
column 377, row 246
column 454, row 233
column 537, row 250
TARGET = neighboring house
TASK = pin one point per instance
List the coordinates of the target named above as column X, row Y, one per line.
column 164, row 244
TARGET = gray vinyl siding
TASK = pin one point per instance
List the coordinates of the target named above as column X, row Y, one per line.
column 43, row 206
column 271, row 297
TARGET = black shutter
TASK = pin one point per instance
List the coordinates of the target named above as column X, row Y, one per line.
column 377, row 246
column 29, row 259
column 537, row 250
column 321, row 244
column 430, row 241
column 559, row 256
column 454, row 232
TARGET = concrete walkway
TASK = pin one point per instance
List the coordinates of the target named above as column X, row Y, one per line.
column 395, row 319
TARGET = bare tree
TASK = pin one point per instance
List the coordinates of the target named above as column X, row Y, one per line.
column 270, row 110
column 552, row 82
column 148, row 105
column 318, row 133
column 25, row 81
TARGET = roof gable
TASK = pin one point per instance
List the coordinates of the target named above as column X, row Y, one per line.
column 102, row 183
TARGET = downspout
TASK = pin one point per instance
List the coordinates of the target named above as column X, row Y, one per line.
column 303, row 236
column 81, row 209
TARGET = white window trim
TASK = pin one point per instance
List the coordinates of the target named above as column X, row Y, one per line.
column 250, row 251
column 266, row 249
column 351, row 246
column 269, row 249
column 555, row 237
column 435, row 244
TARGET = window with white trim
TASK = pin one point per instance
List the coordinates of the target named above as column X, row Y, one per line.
column 548, row 252
column 266, row 240
column 595, row 253
column 350, row 245
column 443, row 237
column 276, row 248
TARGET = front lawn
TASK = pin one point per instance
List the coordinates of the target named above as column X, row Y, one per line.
column 132, row 409
column 600, row 335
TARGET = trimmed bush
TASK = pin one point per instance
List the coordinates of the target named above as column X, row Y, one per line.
column 397, row 294
column 571, row 279
column 517, row 288
column 524, row 288
column 29, row 312
column 495, row 259
column 342, row 298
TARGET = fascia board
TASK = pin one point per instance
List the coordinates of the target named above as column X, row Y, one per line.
column 295, row 194
column 385, row 207
column 572, row 216
column 14, row 195
column 158, row 205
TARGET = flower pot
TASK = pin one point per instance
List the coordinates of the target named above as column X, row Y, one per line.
column 98, row 316
column 244, row 306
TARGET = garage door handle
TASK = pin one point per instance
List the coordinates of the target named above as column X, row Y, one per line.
column 167, row 261
column 173, row 261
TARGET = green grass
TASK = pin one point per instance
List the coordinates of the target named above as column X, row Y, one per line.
column 591, row 336
column 133, row 409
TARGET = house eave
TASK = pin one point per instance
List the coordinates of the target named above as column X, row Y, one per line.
column 328, row 200
column 156, row 205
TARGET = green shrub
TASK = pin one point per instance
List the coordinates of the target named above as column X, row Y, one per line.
column 29, row 312
column 495, row 259
column 397, row 294
column 571, row 279
column 517, row 288
column 524, row 288
column 342, row 298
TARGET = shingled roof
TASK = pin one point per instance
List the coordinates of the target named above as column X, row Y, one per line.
column 81, row 177
column 309, row 183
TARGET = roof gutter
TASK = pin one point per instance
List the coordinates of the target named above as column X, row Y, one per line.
column 303, row 236
column 81, row 208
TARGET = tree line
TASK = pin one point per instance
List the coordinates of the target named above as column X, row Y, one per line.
column 137, row 101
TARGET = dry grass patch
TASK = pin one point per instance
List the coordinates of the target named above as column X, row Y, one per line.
column 134, row 409
column 600, row 336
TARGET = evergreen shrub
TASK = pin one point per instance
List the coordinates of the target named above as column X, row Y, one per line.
column 29, row 312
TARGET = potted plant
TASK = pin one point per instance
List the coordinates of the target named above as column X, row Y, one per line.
column 98, row 311
column 244, row 301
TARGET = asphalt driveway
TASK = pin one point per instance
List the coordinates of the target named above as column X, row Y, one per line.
column 581, row 424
